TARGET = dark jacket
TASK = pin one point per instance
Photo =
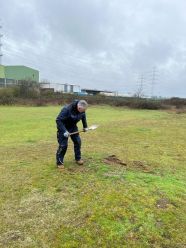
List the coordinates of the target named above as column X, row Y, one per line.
column 69, row 117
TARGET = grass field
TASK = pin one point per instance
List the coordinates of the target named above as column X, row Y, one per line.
column 103, row 203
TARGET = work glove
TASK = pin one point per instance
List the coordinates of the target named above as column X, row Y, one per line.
column 85, row 129
column 66, row 134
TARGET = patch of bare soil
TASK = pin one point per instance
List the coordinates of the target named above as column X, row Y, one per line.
column 181, row 111
column 75, row 169
column 163, row 203
column 140, row 165
column 11, row 236
column 136, row 164
column 177, row 110
column 112, row 159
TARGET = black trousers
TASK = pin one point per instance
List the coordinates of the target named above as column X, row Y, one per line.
column 63, row 145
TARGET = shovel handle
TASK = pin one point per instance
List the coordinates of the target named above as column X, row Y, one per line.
column 90, row 128
column 76, row 132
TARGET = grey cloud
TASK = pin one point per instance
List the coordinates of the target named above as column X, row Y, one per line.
column 155, row 53
column 100, row 44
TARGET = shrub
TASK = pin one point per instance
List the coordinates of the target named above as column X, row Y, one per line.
column 28, row 89
column 146, row 104
column 7, row 96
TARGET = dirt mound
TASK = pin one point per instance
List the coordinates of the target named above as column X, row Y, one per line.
column 140, row 165
column 135, row 165
column 112, row 159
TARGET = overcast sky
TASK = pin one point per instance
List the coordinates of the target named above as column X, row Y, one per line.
column 99, row 44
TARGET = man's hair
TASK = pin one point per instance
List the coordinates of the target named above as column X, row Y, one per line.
column 83, row 104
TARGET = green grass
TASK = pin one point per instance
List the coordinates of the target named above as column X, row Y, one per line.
column 141, row 204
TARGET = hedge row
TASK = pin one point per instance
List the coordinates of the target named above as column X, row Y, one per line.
column 11, row 96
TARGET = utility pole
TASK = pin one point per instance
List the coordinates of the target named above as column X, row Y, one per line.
column 140, row 89
column 1, row 35
column 142, row 79
column 153, row 80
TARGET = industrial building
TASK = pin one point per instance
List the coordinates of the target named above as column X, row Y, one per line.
column 60, row 87
column 94, row 92
column 10, row 75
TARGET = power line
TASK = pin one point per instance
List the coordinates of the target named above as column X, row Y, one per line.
column 1, row 35
column 140, row 86
column 153, row 81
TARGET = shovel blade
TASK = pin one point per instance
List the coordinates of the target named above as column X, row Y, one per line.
column 93, row 127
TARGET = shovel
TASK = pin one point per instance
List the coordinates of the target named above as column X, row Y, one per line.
column 90, row 128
